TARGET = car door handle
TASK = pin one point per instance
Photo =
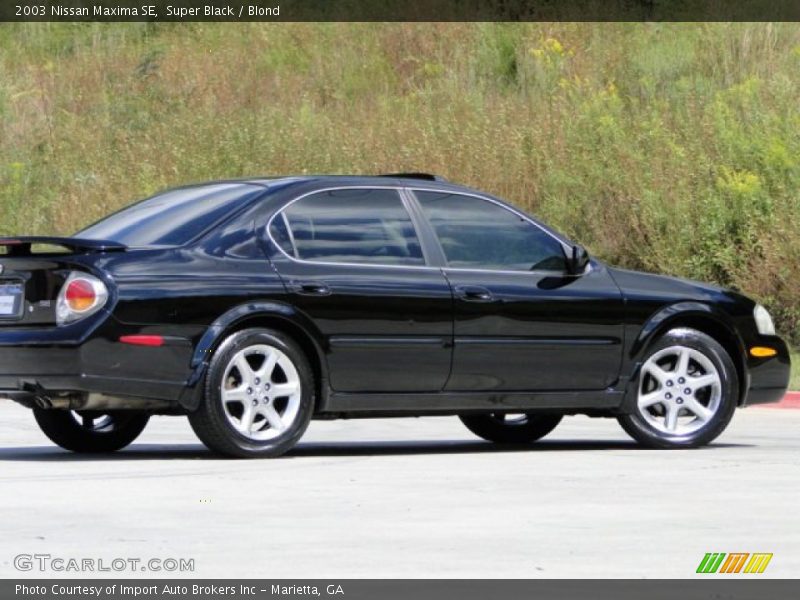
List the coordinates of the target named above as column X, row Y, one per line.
column 474, row 293
column 310, row 288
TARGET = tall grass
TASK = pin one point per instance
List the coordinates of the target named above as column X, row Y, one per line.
column 664, row 147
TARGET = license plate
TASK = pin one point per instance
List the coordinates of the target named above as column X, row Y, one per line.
column 10, row 300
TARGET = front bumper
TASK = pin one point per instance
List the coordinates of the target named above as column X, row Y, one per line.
column 768, row 377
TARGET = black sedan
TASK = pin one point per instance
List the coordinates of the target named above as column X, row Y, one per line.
column 253, row 306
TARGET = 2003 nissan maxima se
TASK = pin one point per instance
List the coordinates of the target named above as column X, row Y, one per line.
column 253, row 306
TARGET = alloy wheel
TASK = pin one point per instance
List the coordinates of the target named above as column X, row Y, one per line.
column 95, row 421
column 261, row 392
column 510, row 418
column 680, row 390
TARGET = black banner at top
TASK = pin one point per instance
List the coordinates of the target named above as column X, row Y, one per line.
column 399, row 10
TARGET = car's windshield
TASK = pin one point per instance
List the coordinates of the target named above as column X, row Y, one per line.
column 172, row 218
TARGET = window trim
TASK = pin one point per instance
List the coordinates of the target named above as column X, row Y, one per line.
column 566, row 248
column 403, row 203
column 421, row 227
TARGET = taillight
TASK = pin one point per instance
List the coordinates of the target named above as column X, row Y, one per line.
column 82, row 295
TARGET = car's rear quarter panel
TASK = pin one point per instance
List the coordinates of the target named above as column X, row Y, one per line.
column 178, row 294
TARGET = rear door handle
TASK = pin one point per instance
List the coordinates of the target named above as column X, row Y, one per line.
column 310, row 288
column 474, row 293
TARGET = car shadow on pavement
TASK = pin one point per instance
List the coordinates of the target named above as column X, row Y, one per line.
column 323, row 449
column 463, row 447
column 133, row 452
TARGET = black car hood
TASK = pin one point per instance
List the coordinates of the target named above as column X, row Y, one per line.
column 637, row 284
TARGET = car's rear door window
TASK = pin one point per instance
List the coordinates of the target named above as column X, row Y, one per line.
column 478, row 234
column 360, row 226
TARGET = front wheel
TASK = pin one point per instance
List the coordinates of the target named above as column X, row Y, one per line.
column 686, row 394
column 503, row 428
column 89, row 431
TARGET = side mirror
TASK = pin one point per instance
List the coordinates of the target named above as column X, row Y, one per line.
column 576, row 263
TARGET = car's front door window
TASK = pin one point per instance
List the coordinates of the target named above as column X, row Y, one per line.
column 477, row 234
column 359, row 226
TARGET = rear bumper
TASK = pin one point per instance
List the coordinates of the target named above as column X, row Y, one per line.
column 42, row 360
column 24, row 369
column 768, row 377
column 53, row 367
column 21, row 389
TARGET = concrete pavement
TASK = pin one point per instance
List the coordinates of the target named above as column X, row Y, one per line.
column 409, row 498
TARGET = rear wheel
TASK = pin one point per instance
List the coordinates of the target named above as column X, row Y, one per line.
column 687, row 392
column 259, row 396
column 90, row 431
column 520, row 428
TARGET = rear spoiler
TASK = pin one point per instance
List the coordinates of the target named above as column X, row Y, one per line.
column 21, row 246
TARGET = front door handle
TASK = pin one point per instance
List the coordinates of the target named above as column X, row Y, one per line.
column 310, row 288
column 474, row 293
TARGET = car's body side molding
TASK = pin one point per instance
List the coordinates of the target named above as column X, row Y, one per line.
column 449, row 403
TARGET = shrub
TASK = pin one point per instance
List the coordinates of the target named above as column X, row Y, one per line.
column 665, row 147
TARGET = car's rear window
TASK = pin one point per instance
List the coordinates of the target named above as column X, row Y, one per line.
column 174, row 217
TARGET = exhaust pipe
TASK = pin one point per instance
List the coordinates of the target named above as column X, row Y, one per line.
column 43, row 402
column 39, row 394
column 42, row 399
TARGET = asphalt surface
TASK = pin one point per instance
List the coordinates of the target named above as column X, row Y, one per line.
column 409, row 498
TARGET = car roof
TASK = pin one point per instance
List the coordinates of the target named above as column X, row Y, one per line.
column 336, row 177
column 325, row 180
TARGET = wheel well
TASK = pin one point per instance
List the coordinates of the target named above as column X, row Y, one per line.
column 297, row 333
column 722, row 335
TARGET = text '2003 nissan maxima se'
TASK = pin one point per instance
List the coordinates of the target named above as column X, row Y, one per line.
column 253, row 306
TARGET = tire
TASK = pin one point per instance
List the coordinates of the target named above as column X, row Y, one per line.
column 91, row 432
column 253, row 421
column 674, row 407
column 511, row 429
